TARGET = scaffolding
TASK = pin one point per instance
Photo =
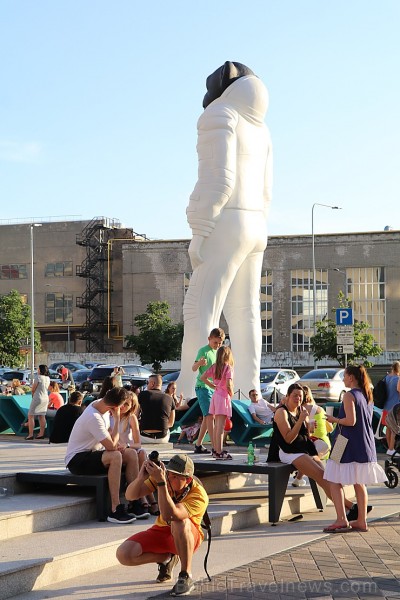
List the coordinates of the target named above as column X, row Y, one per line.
column 94, row 237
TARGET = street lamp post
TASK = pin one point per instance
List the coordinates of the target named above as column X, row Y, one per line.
column 63, row 287
column 33, row 303
column 313, row 258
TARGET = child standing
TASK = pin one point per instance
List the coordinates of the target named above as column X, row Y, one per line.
column 220, row 378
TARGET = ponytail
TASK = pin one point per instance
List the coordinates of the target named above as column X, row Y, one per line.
column 360, row 374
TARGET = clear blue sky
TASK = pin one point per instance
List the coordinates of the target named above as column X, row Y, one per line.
column 100, row 100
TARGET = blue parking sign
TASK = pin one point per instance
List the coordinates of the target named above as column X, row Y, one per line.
column 344, row 316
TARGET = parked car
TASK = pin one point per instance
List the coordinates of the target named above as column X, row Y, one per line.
column 24, row 375
column 168, row 378
column 72, row 366
column 91, row 365
column 326, row 385
column 81, row 375
column 276, row 379
column 133, row 374
column 54, row 375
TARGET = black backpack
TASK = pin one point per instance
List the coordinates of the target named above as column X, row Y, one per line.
column 380, row 393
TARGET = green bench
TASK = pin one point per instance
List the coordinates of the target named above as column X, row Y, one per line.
column 14, row 412
column 244, row 428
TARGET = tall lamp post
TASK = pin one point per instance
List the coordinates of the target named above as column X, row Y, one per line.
column 33, row 303
column 313, row 258
column 63, row 287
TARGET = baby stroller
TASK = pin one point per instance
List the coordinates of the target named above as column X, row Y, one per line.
column 393, row 462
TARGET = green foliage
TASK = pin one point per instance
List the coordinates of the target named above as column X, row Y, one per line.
column 159, row 339
column 323, row 344
column 15, row 326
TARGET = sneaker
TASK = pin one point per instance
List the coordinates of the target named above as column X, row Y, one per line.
column 213, row 453
column 137, row 509
column 120, row 516
column 226, row 455
column 352, row 515
column 388, row 452
column 201, row 450
column 165, row 571
column 298, row 482
column 183, row 586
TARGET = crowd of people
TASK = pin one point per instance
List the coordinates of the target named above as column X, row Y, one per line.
column 110, row 435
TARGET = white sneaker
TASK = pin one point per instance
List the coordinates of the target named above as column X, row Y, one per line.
column 390, row 452
column 298, row 482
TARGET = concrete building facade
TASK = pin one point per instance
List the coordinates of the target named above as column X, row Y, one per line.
column 362, row 266
column 136, row 271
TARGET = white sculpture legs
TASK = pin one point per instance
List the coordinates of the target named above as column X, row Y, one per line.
column 227, row 280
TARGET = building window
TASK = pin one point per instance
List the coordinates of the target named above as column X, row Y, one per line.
column 367, row 293
column 13, row 272
column 302, row 312
column 59, row 269
column 58, row 308
column 266, row 312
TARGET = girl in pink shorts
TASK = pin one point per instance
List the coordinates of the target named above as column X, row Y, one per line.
column 220, row 378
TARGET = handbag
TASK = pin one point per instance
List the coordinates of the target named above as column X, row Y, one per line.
column 321, row 446
column 339, row 447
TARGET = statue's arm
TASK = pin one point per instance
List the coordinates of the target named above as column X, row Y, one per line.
column 216, row 148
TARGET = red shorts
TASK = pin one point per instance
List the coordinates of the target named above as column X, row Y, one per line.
column 159, row 539
column 384, row 415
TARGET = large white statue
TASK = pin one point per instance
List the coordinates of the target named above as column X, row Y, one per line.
column 227, row 213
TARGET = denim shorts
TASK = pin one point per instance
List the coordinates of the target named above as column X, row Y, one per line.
column 204, row 396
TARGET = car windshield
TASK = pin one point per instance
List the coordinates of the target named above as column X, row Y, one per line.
column 267, row 376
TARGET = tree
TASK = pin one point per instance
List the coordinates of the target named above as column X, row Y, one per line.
column 323, row 344
column 15, row 326
column 159, row 339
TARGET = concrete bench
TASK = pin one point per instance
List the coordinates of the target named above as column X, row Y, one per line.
column 65, row 477
column 278, row 478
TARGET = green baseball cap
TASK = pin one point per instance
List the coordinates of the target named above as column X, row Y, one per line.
column 181, row 464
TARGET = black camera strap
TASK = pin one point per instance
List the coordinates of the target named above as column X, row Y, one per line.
column 206, row 524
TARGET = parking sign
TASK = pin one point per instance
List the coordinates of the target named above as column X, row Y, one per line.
column 344, row 316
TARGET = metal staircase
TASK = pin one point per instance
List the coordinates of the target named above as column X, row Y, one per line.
column 95, row 237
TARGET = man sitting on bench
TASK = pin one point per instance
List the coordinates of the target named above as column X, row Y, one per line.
column 92, row 450
column 261, row 410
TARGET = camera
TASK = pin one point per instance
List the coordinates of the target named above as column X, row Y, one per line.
column 154, row 457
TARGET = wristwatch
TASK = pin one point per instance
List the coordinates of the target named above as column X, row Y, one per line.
column 160, row 484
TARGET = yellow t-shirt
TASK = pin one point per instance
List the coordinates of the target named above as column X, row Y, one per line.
column 195, row 502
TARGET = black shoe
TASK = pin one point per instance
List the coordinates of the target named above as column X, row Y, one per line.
column 137, row 509
column 120, row 516
column 183, row 586
column 201, row 450
column 352, row 515
column 165, row 571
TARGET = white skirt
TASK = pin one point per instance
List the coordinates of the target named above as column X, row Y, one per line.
column 351, row 473
column 287, row 458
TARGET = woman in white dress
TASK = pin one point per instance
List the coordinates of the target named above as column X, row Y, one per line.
column 40, row 400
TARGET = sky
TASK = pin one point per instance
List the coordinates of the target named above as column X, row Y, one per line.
column 100, row 101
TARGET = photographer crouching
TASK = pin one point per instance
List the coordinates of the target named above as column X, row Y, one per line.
column 177, row 532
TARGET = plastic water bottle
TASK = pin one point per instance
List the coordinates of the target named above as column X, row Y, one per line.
column 250, row 454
